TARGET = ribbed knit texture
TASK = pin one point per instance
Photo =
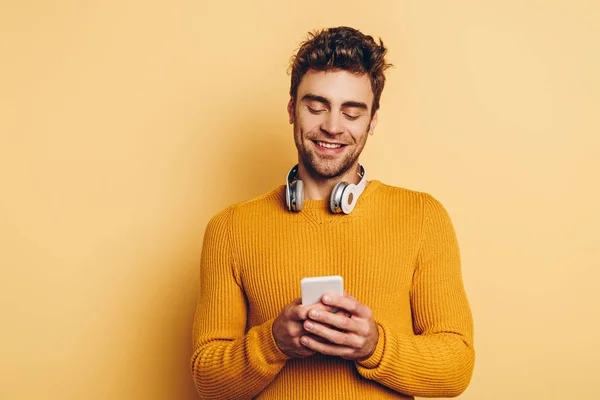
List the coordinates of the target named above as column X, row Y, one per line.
column 398, row 254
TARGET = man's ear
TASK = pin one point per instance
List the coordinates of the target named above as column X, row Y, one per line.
column 291, row 111
column 373, row 123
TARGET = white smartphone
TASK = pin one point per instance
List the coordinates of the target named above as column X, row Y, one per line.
column 315, row 287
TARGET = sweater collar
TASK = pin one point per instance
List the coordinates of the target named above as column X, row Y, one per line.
column 317, row 211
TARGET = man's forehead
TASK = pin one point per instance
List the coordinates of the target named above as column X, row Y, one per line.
column 337, row 86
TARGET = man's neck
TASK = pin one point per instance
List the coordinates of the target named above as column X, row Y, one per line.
column 319, row 188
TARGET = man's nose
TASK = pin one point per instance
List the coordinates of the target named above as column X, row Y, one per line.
column 333, row 123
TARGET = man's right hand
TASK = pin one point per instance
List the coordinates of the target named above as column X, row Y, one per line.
column 288, row 328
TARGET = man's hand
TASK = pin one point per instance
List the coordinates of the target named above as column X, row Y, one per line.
column 352, row 338
column 288, row 328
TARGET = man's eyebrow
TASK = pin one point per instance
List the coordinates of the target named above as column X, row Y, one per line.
column 355, row 104
column 314, row 97
column 347, row 104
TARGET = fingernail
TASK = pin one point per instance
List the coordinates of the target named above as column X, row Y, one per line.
column 314, row 313
column 309, row 325
column 304, row 340
column 327, row 299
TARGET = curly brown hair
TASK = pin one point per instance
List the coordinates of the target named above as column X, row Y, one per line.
column 341, row 48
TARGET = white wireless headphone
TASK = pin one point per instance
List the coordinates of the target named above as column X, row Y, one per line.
column 343, row 197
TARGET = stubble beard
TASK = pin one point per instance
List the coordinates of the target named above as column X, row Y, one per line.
column 326, row 168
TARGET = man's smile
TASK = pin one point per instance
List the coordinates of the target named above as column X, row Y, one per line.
column 329, row 147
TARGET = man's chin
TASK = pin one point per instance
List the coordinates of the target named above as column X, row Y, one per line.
column 326, row 171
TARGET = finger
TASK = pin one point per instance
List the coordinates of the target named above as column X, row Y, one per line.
column 334, row 336
column 326, row 348
column 296, row 311
column 295, row 329
column 317, row 338
column 300, row 312
column 301, row 349
column 346, row 294
column 336, row 320
column 322, row 307
column 349, row 304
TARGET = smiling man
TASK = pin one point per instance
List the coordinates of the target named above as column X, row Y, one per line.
column 332, row 119
column 402, row 329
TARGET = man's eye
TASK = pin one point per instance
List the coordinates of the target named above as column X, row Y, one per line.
column 352, row 117
column 314, row 111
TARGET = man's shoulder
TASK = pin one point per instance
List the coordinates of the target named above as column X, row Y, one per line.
column 398, row 194
column 271, row 201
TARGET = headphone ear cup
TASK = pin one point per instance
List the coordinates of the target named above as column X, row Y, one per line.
column 288, row 196
column 297, row 190
column 349, row 198
column 335, row 201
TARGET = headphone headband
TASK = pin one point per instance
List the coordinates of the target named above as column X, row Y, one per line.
column 290, row 177
column 362, row 184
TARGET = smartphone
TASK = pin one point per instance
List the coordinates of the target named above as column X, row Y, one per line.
column 315, row 287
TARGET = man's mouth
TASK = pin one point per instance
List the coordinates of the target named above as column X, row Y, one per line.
column 328, row 145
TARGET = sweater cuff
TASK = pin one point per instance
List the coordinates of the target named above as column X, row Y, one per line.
column 375, row 358
column 271, row 354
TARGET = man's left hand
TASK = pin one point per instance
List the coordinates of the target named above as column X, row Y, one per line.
column 352, row 338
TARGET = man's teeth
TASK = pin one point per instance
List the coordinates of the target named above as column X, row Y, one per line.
column 329, row 145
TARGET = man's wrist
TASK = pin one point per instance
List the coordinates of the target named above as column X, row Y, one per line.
column 374, row 359
column 276, row 346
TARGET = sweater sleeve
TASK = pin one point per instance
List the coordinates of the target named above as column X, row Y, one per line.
column 438, row 359
column 228, row 362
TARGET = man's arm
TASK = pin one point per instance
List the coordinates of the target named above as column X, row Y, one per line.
column 227, row 362
column 438, row 360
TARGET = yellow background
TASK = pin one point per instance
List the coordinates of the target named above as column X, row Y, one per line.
column 125, row 125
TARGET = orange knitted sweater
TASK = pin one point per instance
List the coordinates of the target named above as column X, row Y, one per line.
column 398, row 254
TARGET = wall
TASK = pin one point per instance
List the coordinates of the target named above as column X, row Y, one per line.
column 125, row 125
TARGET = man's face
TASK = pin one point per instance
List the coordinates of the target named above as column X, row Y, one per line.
column 332, row 120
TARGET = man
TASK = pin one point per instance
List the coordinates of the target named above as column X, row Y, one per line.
column 404, row 327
